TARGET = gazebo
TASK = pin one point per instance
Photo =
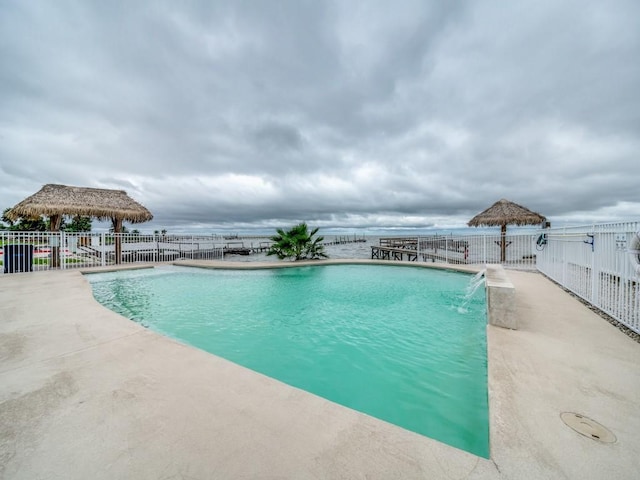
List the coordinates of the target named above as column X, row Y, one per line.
column 56, row 201
column 503, row 213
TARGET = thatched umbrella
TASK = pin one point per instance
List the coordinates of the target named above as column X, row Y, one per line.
column 503, row 213
column 55, row 201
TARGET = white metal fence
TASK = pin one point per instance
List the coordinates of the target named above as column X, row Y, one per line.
column 34, row 251
column 520, row 250
column 599, row 263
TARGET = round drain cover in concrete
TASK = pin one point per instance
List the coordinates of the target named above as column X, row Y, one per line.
column 587, row 427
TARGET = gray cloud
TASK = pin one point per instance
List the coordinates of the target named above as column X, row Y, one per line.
column 339, row 113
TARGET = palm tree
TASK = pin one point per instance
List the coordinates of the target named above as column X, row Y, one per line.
column 24, row 224
column 78, row 224
column 6, row 219
column 315, row 249
column 297, row 243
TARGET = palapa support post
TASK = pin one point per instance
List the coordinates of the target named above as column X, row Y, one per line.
column 503, row 242
column 54, row 226
column 117, row 229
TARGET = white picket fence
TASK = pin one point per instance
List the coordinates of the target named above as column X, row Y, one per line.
column 35, row 251
column 599, row 263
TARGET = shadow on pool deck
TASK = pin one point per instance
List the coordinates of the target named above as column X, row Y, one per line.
column 85, row 393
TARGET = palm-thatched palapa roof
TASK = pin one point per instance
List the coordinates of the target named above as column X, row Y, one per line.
column 503, row 213
column 100, row 203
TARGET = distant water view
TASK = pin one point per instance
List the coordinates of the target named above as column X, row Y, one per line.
column 347, row 231
column 357, row 250
column 361, row 250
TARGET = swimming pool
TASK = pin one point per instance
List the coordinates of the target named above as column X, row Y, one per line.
column 398, row 343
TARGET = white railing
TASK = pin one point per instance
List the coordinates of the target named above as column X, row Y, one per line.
column 599, row 263
column 35, row 251
column 520, row 251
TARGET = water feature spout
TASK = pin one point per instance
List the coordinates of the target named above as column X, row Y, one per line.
column 477, row 280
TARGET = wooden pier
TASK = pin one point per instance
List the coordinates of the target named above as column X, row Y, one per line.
column 346, row 240
column 238, row 247
column 412, row 249
column 390, row 253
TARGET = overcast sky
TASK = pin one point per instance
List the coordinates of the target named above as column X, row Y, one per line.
column 262, row 113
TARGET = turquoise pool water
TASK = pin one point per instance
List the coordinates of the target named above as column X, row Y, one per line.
column 401, row 344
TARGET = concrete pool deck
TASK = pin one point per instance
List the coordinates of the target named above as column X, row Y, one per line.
column 85, row 393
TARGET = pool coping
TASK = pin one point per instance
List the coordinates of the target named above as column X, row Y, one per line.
column 51, row 354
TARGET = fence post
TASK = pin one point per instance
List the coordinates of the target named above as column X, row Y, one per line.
column 484, row 248
column 564, row 256
column 63, row 255
column 595, row 268
column 102, row 250
column 446, row 250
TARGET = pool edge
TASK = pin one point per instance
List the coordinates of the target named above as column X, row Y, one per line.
column 563, row 358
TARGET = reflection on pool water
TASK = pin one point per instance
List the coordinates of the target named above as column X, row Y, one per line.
column 389, row 341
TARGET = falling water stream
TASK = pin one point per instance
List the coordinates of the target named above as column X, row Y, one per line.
column 476, row 281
